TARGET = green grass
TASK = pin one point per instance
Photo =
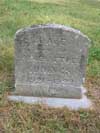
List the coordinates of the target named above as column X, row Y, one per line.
column 80, row 14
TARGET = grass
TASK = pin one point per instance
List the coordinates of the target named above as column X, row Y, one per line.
column 21, row 118
column 80, row 14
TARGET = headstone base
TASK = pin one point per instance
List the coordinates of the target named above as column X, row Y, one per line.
column 73, row 104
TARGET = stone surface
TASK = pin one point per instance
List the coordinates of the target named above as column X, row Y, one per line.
column 73, row 104
column 50, row 61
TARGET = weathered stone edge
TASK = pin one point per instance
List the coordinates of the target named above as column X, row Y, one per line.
column 55, row 26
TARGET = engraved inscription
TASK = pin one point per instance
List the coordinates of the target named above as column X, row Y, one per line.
column 50, row 60
column 40, row 49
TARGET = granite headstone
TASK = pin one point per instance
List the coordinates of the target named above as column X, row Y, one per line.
column 50, row 61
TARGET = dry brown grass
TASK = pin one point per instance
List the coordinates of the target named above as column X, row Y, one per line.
column 23, row 118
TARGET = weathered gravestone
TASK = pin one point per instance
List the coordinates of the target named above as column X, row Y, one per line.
column 50, row 63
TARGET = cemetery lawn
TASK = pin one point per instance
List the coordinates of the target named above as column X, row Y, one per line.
column 22, row 118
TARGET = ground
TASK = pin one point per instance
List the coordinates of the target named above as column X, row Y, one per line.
column 22, row 118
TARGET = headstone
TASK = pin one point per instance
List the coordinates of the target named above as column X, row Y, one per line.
column 50, row 61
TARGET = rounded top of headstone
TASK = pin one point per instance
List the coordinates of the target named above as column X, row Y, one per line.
column 58, row 26
column 53, row 26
